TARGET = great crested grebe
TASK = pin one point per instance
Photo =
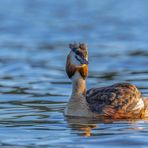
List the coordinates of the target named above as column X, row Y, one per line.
column 118, row 101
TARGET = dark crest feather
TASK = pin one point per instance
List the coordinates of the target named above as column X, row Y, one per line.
column 83, row 46
column 73, row 46
column 76, row 46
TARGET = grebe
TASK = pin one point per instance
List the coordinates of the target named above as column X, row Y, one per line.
column 118, row 101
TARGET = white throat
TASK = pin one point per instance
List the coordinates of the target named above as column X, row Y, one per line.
column 77, row 105
column 78, row 84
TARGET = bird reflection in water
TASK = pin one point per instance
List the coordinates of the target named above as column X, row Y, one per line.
column 85, row 126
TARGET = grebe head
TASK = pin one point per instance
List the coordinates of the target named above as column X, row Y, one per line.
column 78, row 54
column 77, row 60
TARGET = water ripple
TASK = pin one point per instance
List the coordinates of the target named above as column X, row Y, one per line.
column 34, row 88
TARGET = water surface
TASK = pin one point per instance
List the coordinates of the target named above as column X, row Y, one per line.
column 34, row 88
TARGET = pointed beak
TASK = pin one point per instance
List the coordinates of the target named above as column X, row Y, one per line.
column 84, row 61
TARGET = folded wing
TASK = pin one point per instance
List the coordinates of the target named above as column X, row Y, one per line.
column 119, row 99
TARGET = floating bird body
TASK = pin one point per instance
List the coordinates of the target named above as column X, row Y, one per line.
column 118, row 101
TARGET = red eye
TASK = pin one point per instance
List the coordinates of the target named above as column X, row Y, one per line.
column 78, row 53
column 74, row 49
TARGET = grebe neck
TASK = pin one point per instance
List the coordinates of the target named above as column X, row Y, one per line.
column 78, row 85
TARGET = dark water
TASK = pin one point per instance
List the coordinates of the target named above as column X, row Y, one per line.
column 34, row 89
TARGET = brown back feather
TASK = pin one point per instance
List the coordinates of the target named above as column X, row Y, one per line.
column 120, row 97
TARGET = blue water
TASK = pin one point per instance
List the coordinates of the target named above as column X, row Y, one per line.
column 34, row 88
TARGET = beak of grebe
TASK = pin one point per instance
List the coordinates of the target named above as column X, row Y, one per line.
column 82, row 59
